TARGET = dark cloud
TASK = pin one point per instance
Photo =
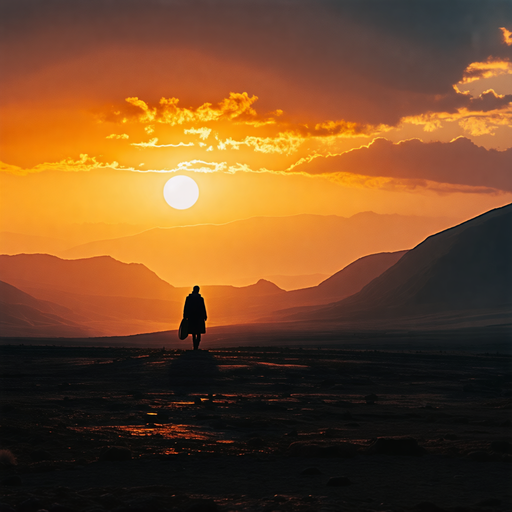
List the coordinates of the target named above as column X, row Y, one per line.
column 460, row 162
column 368, row 61
column 489, row 101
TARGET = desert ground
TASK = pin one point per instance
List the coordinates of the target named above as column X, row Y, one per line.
column 355, row 426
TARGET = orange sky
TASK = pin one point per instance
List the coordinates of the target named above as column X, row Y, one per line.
column 328, row 108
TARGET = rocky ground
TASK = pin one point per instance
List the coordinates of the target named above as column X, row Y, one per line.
column 250, row 429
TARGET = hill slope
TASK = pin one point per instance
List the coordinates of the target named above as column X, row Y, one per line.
column 462, row 272
column 23, row 315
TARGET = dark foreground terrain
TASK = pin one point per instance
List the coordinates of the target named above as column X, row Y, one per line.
column 250, row 429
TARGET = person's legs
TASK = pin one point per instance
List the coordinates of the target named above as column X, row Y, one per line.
column 194, row 341
column 198, row 339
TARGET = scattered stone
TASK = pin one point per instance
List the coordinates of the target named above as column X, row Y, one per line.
column 396, row 446
column 338, row 481
column 292, row 433
column 256, row 442
column 501, row 446
column 311, row 471
column 371, row 399
column 12, row 481
column 40, row 455
column 115, row 454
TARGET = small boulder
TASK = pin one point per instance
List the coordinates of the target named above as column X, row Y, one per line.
column 396, row 446
column 338, row 481
column 115, row 454
column 371, row 399
column 40, row 455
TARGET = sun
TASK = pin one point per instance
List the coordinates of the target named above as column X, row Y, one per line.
column 181, row 192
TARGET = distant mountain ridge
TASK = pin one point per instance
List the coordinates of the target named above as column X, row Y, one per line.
column 245, row 250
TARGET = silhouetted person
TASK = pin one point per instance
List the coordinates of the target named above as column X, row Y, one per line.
column 195, row 313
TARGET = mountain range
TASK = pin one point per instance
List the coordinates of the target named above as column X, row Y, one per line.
column 459, row 277
column 108, row 297
column 242, row 252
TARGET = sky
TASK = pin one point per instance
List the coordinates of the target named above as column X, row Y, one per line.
column 274, row 108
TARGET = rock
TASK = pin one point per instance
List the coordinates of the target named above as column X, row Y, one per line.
column 311, row 471
column 305, row 449
column 255, row 442
column 6, row 508
column 501, row 446
column 115, row 454
column 338, row 481
column 371, row 399
column 396, row 446
column 40, row 455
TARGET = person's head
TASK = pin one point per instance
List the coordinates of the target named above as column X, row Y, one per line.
column 195, row 289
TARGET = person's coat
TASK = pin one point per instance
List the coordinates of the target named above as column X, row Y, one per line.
column 195, row 313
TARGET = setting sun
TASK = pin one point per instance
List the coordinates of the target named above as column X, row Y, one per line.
column 181, row 192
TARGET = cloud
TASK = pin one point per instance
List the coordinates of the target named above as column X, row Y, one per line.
column 203, row 132
column 368, row 61
column 117, row 136
column 285, row 143
column 460, row 162
column 476, row 115
column 491, row 67
column 84, row 163
column 153, row 144
column 236, row 106
column 507, row 36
